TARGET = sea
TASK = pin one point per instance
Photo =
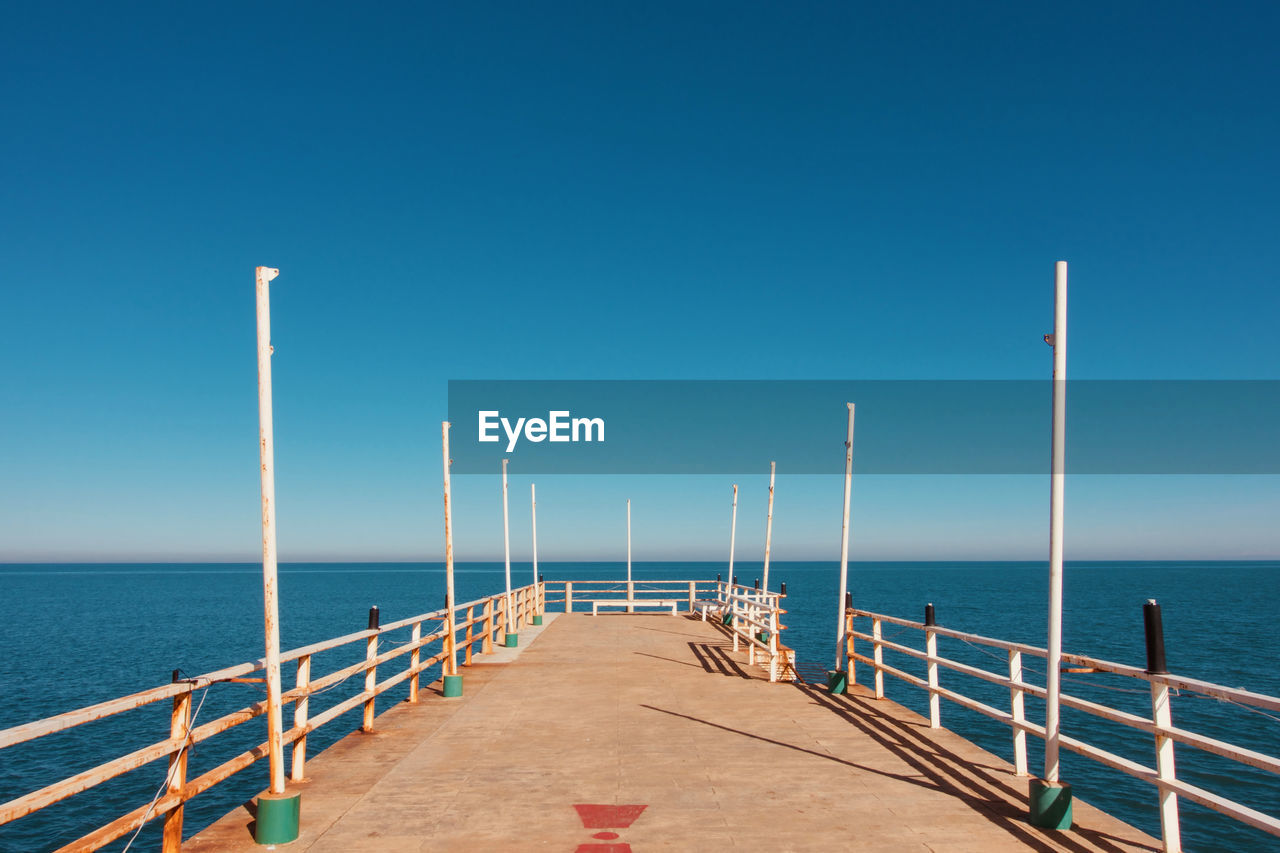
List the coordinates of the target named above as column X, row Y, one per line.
column 76, row 634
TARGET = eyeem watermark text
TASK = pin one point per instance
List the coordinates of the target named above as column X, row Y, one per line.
column 558, row 426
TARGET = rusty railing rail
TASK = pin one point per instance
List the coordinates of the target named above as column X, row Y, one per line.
column 483, row 621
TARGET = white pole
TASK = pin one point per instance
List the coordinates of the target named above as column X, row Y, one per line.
column 630, row 588
column 270, row 595
column 448, row 551
column 1054, row 658
column 733, row 531
column 533, row 504
column 768, row 531
column 844, row 542
column 506, row 545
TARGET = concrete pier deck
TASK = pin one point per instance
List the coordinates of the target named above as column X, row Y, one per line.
column 656, row 711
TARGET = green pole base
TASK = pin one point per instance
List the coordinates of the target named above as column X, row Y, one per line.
column 277, row 820
column 537, row 618
column 837, row 681
column 452, row 686
column 763, row 636
column 727, row 619
column 1050, row 804
column 511, row 641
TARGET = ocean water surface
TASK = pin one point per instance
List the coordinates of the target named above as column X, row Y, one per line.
column 73, row 635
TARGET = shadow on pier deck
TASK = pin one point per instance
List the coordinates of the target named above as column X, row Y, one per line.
column 658, row 712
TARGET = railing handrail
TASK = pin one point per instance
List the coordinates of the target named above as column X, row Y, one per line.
column 1163, row 776
column 1177, row 682
column 527, row 600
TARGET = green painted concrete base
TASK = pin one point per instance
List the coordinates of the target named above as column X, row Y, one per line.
column 511, row 641
column 727, row 619
column 763, row 636
column 452, row 686
column 278, row 818
column 1050, row 804
column 837, row 681
column 537, row 618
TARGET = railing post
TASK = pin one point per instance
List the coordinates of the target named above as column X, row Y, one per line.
column 1017, row 710
column 692, row 594
column 300, row 709
column 414, row 657
column 471, row 615
column 773, row 645
column 486, row 647
column 850, row 664
column 878, row 656
column 568, row 596
column 371, row 671
column 931, row 649
column 179, row 729
column 734, row 622
column 1162, row 716
column 631, row 594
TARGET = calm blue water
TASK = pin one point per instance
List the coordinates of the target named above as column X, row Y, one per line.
column 77, row 634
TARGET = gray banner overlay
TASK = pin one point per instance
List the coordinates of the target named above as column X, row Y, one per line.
column 902, row 426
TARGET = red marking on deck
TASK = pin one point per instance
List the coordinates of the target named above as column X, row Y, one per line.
column 603, row 848
column 607, row 817
column 606, row 836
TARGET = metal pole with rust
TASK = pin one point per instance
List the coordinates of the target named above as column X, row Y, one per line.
column 450, row 601
column 630, row 588
column 733, row 534
column 1057, row 481
column 1051, row 798
column 533, row 509
column 844, row 542
column 508, row 614
column 768, row 529
column 278, row 813
column 270, row 593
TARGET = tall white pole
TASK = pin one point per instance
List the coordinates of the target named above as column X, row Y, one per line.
column 630, row 588
column 768, row 531
column 844, row 542
column 733, row 531
column 533, row 504
column 1054, row 657
column 506, row 545
column 448, row 551
column 270, row 594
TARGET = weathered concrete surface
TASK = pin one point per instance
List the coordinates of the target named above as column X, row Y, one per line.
column 656, row 711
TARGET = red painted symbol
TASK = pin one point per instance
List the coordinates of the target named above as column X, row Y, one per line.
column 606, row 817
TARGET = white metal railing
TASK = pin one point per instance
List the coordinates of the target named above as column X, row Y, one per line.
column 637, row 591
column 754, row 619
column 484, row 618
column 1159, row 725
column 751, row 616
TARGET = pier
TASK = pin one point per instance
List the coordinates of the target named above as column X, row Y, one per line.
column 677, row 718
column 650, row 731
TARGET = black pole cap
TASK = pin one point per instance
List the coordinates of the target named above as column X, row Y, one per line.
column 735, row 580
column 757, row 583
column 928, row 615
column 373, row 617
column 540, row 579
column 784, row 588
column 1153, row 627
column 718, row 577
column 848, row 601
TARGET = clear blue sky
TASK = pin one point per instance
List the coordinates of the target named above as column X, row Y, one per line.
column 606, row 190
